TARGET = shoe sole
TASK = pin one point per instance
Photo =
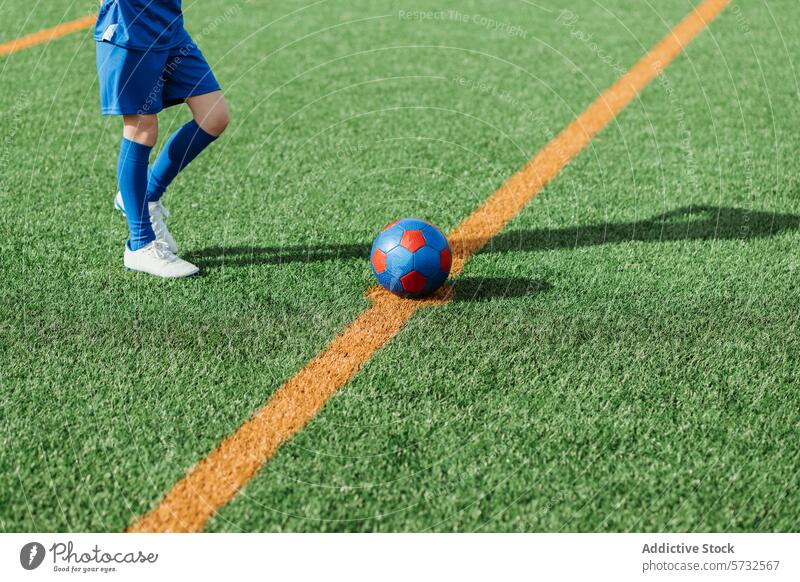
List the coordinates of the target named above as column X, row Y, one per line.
column 197, row 274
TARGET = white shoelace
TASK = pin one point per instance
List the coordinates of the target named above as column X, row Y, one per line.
column 157, row 215
column 160, row 250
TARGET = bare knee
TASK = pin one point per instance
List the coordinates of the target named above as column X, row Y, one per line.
column 210, row 112
column 142, row 129
column 216, row 120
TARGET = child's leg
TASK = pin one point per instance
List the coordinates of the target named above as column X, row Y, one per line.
column 139, row 137
column 211, row 117
column 210, row 112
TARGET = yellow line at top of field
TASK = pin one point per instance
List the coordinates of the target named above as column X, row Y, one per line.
column 47, row 35
column 216, row 479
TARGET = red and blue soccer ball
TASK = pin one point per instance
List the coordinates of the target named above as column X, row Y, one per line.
column 411, row 258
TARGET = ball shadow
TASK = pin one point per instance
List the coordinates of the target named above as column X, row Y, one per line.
column 469, row 289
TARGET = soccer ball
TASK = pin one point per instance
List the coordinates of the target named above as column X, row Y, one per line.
column 411, row 258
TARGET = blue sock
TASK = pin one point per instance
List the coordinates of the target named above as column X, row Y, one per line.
column 132, row 178
column 182, row 147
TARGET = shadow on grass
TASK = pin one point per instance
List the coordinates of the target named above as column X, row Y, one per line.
column 689, row 223
column 488, row 288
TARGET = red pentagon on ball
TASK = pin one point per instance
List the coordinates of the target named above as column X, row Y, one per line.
column 379, row 261
column 390, row 225
column 413, row 282
column 445, row 260
column 413, row 240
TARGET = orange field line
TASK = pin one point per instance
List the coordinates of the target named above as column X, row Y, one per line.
column 216, row 479
column 47, row 35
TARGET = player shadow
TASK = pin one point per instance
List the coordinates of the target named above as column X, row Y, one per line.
column 696, row 223
column 683, row 224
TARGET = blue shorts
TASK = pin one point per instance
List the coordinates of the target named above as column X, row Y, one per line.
column 145, row 82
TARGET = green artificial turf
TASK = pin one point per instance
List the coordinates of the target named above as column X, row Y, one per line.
column 622, row 357
column 22, row 18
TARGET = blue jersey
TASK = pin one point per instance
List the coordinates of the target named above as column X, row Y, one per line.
column 141, row 24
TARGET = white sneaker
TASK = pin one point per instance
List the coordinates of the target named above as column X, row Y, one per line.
column 156, row 259
column 157, row 215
